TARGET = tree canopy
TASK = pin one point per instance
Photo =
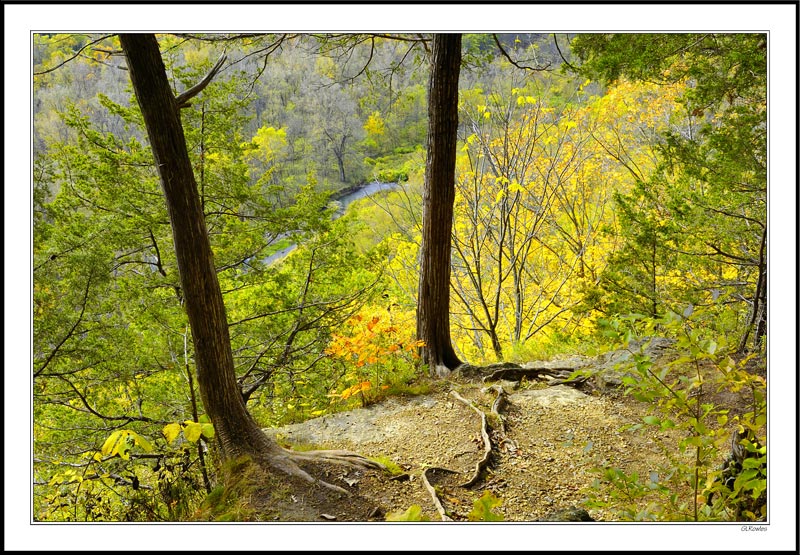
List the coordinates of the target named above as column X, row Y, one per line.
column 202, row 272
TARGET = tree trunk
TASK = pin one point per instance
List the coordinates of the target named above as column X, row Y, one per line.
column 496, row 345
column 339, row 152
column 654, row 284
column 758, row 318
column 433, row 310
column 235, row 429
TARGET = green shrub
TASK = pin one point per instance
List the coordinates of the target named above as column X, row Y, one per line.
column 681, row 395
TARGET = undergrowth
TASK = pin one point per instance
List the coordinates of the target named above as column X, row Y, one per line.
column 702, row 479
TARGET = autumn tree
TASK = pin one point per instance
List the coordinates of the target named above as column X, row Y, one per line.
column 236, row 430
column 718, row 165
column 518, row 158
column 113, row 353
column 433, row 310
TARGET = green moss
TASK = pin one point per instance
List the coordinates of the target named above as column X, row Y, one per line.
column 419, row 388
column 391, row 466
column 229, row 500
column 214, row 498
column 305, row 447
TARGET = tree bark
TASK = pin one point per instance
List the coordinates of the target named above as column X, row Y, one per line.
column 236, row 430
column 758, row 317
column 433, row 310
column 340, row 159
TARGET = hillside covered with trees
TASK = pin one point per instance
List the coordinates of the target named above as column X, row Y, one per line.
column 202, row 281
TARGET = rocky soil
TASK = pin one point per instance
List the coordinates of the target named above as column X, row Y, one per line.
column 555, row 438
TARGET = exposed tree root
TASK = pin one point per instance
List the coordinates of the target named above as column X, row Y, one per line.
column 500, row 401
column 557, row 375
column 481, row 465
column 287, row 461
column 346, row 458
column 432, row 490
column 471, row 372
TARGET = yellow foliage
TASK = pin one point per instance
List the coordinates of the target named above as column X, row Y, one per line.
column 549, row 186
column 121, row 442
column 375, row 124
column 326, row 67
column 353, row 390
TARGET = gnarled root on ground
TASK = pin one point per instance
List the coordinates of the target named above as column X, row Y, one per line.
column 427, row 476
column 346, row 458
column 287, row 461
column 499, row 403
column 481, row 465
column 557, row 375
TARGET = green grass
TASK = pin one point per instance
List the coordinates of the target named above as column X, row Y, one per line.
column 278, row 246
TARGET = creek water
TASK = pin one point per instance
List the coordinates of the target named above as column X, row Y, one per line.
column 343, row 201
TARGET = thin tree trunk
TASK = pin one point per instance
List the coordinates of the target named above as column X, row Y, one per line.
column 758, row 320
column 654, row 286
column 340, row 159
column 433, row 310
column 496, row 345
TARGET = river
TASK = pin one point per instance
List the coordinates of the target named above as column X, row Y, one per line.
column 344, row 199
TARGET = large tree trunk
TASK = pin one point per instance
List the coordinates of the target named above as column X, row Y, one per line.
column 433, row 310
column 237, row 432
column 235, row 429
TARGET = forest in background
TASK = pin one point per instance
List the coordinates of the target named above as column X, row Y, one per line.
column 589, row 207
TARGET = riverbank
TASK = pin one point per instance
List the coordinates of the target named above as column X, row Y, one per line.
column 348, row 195
column 344, row 198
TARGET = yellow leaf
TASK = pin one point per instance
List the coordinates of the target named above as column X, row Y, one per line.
column 142, row 442
column 192, row 431
column 412, row 514
column 207, row 430
column 110, row 442
column 171, row 431
column 358, row 388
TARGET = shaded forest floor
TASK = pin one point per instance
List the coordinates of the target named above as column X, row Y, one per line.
column 541, row 466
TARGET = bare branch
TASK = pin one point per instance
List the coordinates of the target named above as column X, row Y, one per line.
column 512, row 61
column 182, row 100
column 337, row 304
column 72, row 329
column 563, row 59
column 158, row 263
column 219, row 38
column 91, row 409
column 78, row 53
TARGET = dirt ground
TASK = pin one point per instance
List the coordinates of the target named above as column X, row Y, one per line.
column 558, row 435
column 546, row 453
